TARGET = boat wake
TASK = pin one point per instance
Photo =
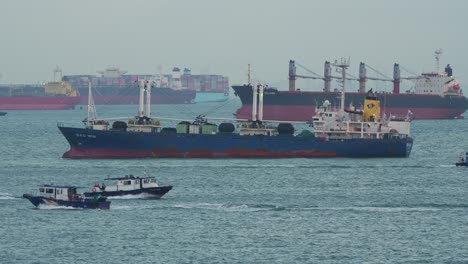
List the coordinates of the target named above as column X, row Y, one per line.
column 7, row 196
column 229, row 207
column 370, row 208
column 54, row 207
column 131, row 197
column 123, row 207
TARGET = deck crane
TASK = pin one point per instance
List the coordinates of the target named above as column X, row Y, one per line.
column 327, row 76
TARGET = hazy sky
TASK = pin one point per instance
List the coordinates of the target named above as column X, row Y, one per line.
column 223, row 36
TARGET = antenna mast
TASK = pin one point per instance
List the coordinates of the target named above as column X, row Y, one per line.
column 342, row 66
column 249, row 76
column 91, row 107
column 148, row 98
column 141, row 110
column 438, row 52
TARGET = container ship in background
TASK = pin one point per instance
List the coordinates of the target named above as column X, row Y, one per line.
column 113, row 86
column 435, row 96
column 55, row 95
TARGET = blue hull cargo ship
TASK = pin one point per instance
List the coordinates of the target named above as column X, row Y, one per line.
column 342, row 133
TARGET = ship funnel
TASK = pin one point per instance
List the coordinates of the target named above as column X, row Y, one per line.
column 327, row 76
column 396, row 78
column 58, row 72
column 371, row 107
column 362, row 77
column 292, row 76
column 449, row 70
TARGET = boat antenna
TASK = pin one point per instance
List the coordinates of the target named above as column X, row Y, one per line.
column 249, row 75
column 92, row 115
column 438, row 52
column 342, row 66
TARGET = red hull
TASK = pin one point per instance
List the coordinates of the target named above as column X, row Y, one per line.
column 305, row 112
column 78, row 153
column 38, row 103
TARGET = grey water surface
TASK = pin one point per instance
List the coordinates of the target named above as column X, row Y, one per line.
column 404, row 210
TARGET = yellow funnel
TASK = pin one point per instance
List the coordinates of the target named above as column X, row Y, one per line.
column 371, row 108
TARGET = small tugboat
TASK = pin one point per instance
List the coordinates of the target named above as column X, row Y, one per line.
column 463, row 160
column 130, row 185
column 3, row 113
column 55, row 195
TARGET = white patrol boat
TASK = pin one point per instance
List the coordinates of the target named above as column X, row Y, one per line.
column 130, row 185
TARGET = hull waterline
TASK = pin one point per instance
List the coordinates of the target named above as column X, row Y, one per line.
column 86, row 143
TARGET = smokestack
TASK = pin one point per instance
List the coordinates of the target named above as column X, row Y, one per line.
column 396, row 78
column 449, row 70
column 362, row 77
column 292, row 76
column 327, row 76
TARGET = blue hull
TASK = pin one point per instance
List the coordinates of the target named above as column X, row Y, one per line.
column 87, row 203
column 86, row 143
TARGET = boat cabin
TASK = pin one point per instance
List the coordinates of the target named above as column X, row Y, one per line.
column 66, row 193
column 130, row 182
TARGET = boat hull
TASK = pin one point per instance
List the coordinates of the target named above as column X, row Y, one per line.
column 461, row 164
column 300, row 106
column 154, row 192
column 86, row 143
column 98, row 203
column 38, row 103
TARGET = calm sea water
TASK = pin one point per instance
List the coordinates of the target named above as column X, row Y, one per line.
column 408, row 210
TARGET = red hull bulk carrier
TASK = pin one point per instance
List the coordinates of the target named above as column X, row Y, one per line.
column 435, row 96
